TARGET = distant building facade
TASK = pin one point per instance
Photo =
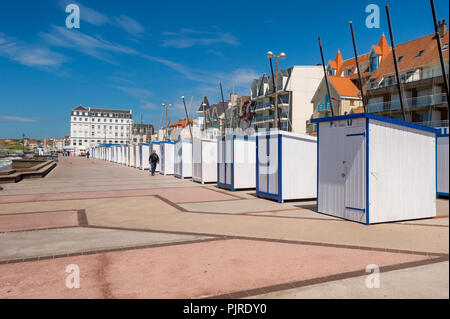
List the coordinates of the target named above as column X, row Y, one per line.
column 296, row 86
column 93, row 126
column 421, row 79
column 142, row 133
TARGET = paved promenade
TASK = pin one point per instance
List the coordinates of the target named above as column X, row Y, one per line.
column 137, row 236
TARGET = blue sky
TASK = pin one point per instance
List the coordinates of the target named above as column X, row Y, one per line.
column 138, row 54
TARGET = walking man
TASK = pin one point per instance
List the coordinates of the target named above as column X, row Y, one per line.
column 153, row 159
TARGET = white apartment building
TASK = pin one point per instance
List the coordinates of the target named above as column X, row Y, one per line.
column 296, row 86
column 93, row 126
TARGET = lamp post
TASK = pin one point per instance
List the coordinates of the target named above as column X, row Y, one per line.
column 166, row 106
column 270, row 55
column 23, row 145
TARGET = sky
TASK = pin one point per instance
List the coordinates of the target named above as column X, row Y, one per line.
column 138, row 54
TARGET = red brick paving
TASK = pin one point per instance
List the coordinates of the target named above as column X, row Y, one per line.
column 38, row 221
column 175, row 194
column 187, row 271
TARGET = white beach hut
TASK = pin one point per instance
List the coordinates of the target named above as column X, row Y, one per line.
column 167, row 157
column 204, row 160
column 286, row 165
column 132, row 150
column 374, row 169
column 183, row 159
column 144, row 153
column 119, row 154
column 442, row 155
column 236, row 162
column 157, row 147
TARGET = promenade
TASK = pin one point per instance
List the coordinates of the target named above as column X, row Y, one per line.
column 137, row 236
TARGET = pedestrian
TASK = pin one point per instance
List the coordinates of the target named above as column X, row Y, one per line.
column 87, row 154
column 153, row 159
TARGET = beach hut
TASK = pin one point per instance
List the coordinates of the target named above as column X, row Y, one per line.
column 442, row 155
column 236, row 162
column 119, row 154
column 204, row 160
column 144, row 153
column 115, row 149
column 286, row 165
column 167, row 158
column 183, row 159
column 374, row 169
column 157, row 147
column 132, row 150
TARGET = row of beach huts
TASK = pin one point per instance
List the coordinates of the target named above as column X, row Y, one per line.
column 360, row 167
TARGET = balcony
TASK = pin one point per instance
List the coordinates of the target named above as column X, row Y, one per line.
column 410, row 103
column 411, row 77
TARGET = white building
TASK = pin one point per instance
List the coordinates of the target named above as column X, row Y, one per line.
column 90, row 127
column 296, row 87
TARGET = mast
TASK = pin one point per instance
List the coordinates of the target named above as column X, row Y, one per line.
column 441, row 57
column 187, row 118
column 326, row 78
column 225, row 110
column 357, row 67
column 399, row 84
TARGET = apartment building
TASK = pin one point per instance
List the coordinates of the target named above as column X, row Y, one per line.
column 296, row 86
column 141, row 133
column 93, row 126
column 343, row 80
column 421, row 79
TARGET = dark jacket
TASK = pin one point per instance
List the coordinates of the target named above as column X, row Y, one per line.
column 154, row 158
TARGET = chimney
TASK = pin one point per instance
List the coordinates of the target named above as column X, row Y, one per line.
column 442, row 28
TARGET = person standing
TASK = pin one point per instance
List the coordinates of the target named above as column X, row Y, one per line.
column 154, row 160
column 88, row 154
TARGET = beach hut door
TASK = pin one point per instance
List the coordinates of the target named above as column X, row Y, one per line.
column 268, row 164
column 354, row 174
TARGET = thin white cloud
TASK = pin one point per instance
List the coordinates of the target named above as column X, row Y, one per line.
column 135, row 92
column 93, row 46
column 29, row 55
column 129, row 25
column 149, row 106
column 12, row 118
column 98, row 19
column 186, row 38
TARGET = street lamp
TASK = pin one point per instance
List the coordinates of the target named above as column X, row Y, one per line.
column 23, row 145
column 270, row 55
column 166, row 106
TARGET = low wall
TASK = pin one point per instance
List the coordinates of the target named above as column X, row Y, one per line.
column 24, row 163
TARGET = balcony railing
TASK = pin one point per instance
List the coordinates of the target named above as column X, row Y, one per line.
column 411, row 77
column 409, row 103
column 435, row 124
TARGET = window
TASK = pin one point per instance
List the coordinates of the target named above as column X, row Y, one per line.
column 445, row 47
column 420, row 53
column 400, row 58
column 373, row 62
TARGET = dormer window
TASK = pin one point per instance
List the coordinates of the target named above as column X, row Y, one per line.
column 420, row 53
column 374, row 61
column 400, row 58
column 331, row 71
column 445, row 47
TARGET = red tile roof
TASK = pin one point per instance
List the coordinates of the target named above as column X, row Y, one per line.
column 410, row 60
column 344, row 86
